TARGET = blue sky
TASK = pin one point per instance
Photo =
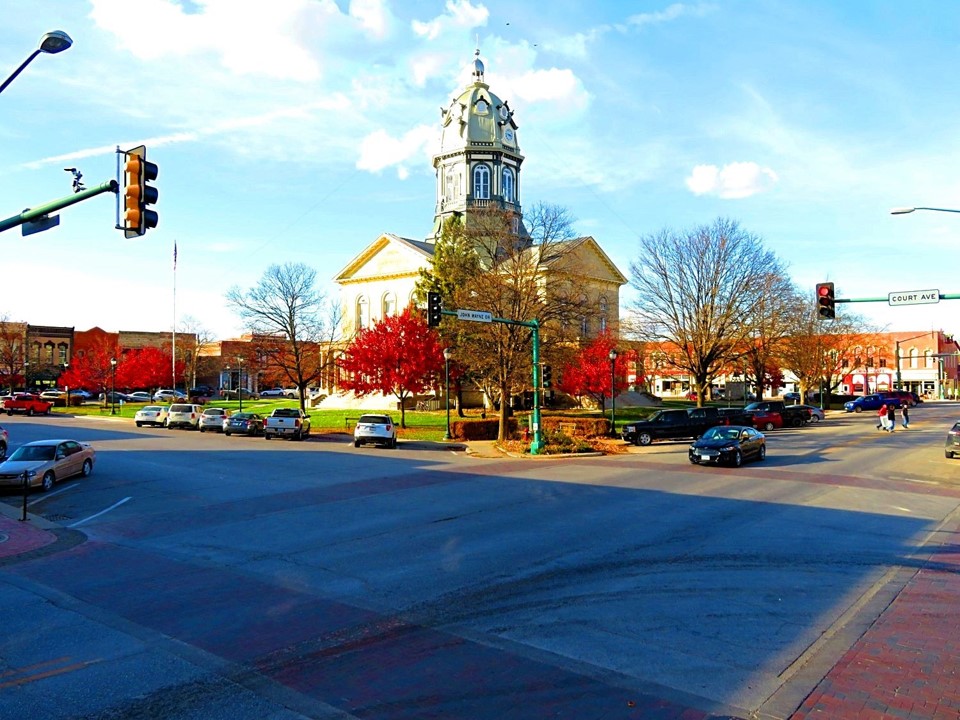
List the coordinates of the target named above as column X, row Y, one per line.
column 299, row 130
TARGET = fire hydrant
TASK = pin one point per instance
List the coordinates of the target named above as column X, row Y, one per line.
column 526, row 434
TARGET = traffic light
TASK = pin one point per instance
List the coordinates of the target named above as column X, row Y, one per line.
column 547, row 376
column 434, row 309
column 137, row 172
column 825, row 300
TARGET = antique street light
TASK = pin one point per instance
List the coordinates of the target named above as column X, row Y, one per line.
column 113, row 386
column 51, row 43
column 613, row 391
column 447, row 354
column 66, row 366
column 26, row 376
column 240, row 382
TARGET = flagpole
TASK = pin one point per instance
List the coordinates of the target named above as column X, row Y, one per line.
column 173, row 345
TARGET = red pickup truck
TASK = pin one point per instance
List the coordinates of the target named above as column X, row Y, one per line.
column 27, row 404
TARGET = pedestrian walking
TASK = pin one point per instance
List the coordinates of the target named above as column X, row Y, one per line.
column 892, row 418
column 882, row 417
column 906, row 416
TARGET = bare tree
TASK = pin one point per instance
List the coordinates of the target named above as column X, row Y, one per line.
column 771, row 325
column 191, row 326
column 819, row 351
column 510, row 283
column 294, row 322
column 697, row 292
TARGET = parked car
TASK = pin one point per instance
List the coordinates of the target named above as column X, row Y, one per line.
column 4, row 438
column 952, row 446
column 730, row 444
column 80, row 392
column 273, row 392
column 201, row 391
column 379, row 429
column 169, row 396
column 816, row 414
column 244, row 423
column 212, row 419
column 113, row 397
column 184, row 415
column 155, row 415
column 244, row 393
column 27, row 404
column 293, row 423
column 139, row 396
column 52, row 394
column 793, row 397
column 766, row 420
column 47, row 462
column 870, row 402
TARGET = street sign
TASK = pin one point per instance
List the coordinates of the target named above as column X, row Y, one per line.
column 914, row 297
column 474, row 316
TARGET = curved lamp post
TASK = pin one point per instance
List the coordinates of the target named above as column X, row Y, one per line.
column 113, row 386
column 907, row 210
column 26, row 376
column 51, row 43
column 447, row 354
column 66, row 367
column 613, row 391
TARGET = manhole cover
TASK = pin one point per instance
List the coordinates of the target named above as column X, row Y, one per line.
column 57, row 518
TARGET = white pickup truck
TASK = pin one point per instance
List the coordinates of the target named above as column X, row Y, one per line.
column 286, row 422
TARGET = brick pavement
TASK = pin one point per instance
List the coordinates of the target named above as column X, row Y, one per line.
column 18, row 538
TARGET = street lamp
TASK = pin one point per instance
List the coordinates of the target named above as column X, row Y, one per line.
column 113, row 386
column 66, row 367
column 240, row 382
column 613, row 391
column 26, row 376
column 907, row 210
column 51, row 43
column 447, row 354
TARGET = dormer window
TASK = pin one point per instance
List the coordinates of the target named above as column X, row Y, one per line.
column 481, row 106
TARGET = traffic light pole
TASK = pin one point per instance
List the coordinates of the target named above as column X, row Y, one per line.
column 537, row 436
column 32, row 214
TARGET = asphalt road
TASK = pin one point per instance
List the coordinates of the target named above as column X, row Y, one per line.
column 238, row 578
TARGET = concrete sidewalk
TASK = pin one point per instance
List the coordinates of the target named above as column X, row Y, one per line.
column 34, row 537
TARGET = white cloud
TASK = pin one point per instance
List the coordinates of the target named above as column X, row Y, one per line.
column 379, row 150
column 250, row 37
column 736, row 180
column 459, row 14
column 372, row 16
column 677, row 10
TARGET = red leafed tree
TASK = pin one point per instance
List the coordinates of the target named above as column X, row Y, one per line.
column 147, row 367
column 398, row 356
column 92, row 370
column 589, row 374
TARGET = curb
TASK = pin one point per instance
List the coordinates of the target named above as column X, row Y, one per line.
column 35, row 537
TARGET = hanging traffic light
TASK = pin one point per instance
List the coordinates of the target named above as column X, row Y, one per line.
column 434, row 309
column 547, row 376
column 137, row 172
column 826, row 304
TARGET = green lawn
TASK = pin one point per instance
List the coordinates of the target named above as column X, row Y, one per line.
column 420, row 425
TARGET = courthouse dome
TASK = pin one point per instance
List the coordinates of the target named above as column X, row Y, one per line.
column 477, row 117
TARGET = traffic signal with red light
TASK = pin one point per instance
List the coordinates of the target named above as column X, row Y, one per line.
column 826, row 303
column 137, row 194
column 547, row 376
column 434, row 309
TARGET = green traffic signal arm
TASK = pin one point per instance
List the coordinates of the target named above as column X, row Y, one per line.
column 31, row 214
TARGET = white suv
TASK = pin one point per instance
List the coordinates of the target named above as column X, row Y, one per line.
column 213, row 419
column 379, row 429
column 183, row 415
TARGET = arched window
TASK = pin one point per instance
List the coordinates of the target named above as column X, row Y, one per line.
column 928, row 359
column 507, row 185
column 584, row 326
column 481, row 182
column 389, row 305
column 914, row 356
column 363, row 313
column 603, row 314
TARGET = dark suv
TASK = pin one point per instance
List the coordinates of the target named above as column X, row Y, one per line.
column 904, row 396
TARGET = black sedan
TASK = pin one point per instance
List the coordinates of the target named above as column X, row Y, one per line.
column 728, row 444
column 244, row 423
